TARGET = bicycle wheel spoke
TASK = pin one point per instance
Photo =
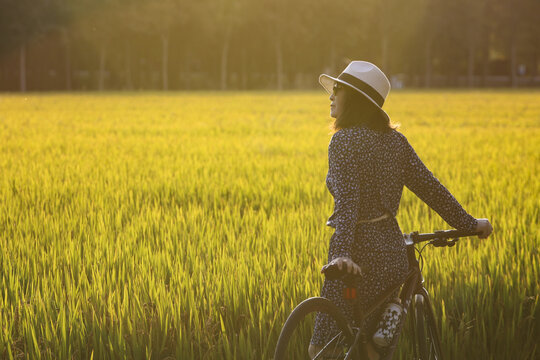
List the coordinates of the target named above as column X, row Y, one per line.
column 337, row 348
column 300, row 340
column 426, row 330
column 294, row 341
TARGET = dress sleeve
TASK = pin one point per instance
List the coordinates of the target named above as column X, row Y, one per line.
column 345, row 162
column 427, row 187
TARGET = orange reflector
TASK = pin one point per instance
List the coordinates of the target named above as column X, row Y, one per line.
column 350, row 293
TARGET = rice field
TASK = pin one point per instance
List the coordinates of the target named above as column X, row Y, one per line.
column 189, row 225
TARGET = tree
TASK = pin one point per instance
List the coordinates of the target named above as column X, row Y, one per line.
column 222, row 18
column 476, row 30
column 279, row 17
column 62, row 16
column 22, row 20
column 159, row 18
column 429, row 32
column 97, row 23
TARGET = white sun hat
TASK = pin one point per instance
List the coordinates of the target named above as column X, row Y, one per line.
column 364, row 77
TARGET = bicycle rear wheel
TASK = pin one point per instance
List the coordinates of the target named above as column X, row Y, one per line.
column 296, row 334
column 427, row 335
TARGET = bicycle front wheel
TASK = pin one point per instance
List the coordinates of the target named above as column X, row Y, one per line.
column 294, row 340
column 427, row 335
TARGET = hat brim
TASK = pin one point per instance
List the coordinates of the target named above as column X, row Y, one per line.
column 328, row 82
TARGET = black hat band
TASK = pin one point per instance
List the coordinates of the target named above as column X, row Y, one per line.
column 361, row 85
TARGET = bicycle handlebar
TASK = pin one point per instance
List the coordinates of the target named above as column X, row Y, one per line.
column 437, row 238
column 415, row 237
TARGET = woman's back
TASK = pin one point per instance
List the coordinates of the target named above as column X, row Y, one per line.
column 368, row 169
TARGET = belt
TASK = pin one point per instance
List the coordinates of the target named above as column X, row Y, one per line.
column 374, row 220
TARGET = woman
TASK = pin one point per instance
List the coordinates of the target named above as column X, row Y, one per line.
column 369, row 163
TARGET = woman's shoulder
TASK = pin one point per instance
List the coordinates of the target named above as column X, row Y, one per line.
column 347, row 136
column 360, row 133
column 353, row 139
column 395, row 134
column 401, row 139
column 352, row 133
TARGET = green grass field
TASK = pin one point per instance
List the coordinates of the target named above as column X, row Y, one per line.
column 189, row 225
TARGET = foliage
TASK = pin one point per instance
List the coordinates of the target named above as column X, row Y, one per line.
column 261, row 44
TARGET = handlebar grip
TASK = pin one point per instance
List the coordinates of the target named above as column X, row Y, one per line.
column 459, row 233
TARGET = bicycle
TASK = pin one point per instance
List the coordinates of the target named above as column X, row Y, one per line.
column 350, row 342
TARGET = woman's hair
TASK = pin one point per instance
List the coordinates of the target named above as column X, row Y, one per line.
column 359, row 110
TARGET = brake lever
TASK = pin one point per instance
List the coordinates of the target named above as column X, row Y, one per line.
column 443, row 242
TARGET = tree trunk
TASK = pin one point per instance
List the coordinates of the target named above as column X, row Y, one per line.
column 485, row 59
column 102, row 58
column 470, row 65
column 384, row 53
column 427, row 79
column 165, row 60
column 22, row 67
column 224, row 58
column 332, row 58
column 244, row 69
column 534, row 70
column 513, row 76
column 67, row 57
column 187, row 61
column 279, row 64
column 129, row 79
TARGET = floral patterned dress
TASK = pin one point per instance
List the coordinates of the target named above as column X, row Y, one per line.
column 366, row 174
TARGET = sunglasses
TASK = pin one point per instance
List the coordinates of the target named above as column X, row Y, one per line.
column 336, row 88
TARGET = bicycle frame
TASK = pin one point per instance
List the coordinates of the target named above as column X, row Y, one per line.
column 412, row 285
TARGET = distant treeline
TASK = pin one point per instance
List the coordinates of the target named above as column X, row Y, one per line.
column 264, row 44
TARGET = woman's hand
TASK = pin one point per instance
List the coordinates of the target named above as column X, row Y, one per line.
column 352, row 267
column 485, row 227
